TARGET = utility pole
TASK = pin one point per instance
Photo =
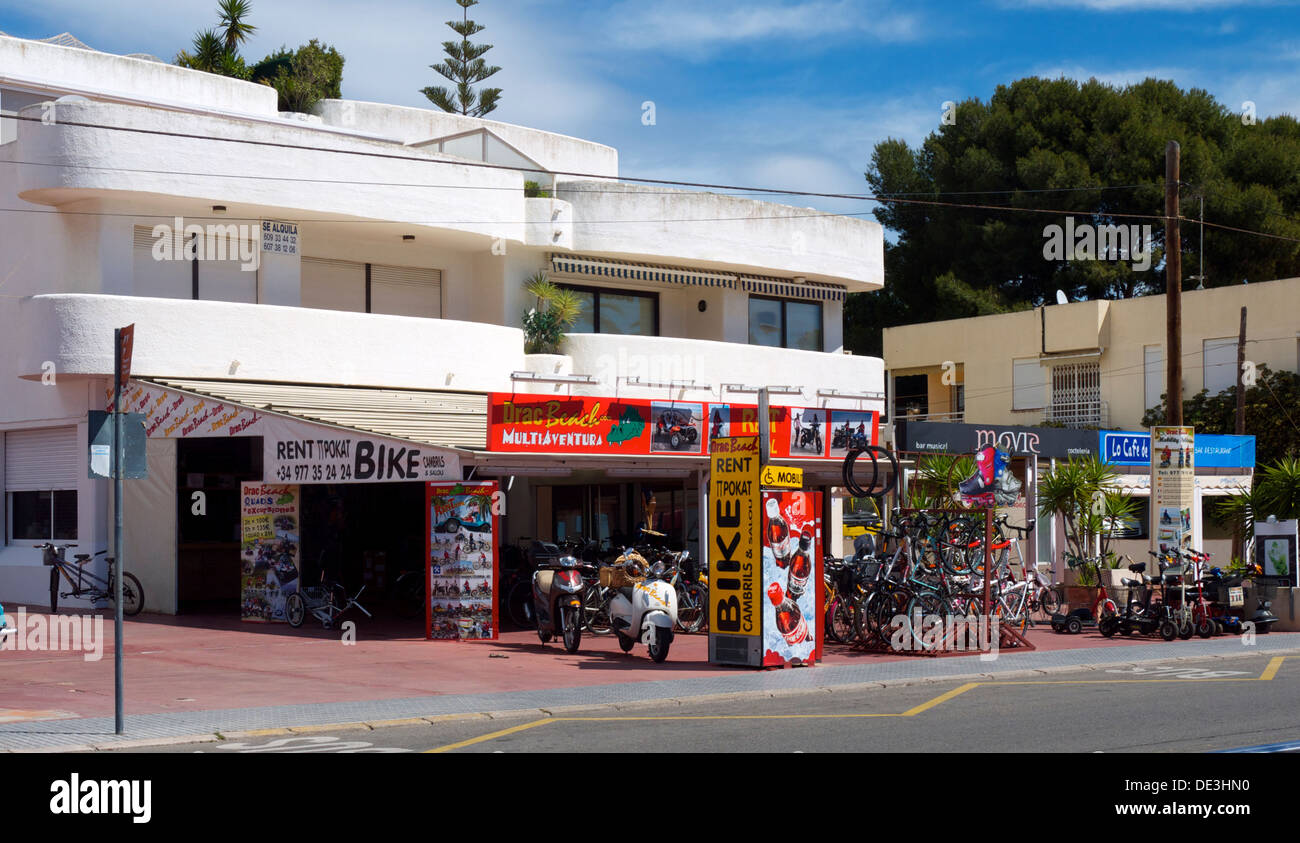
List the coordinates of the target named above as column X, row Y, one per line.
column 1241, row 366
column 1238, row 538
column 1173, row 292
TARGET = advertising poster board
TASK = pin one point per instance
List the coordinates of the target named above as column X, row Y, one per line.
column 792, row 578
column 1275, row 549
column 270, row 550
column 462, row 551
column 1173, row 478
column 519, row 423
column 735, row 617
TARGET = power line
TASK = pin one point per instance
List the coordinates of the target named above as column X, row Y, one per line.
column 639, row 179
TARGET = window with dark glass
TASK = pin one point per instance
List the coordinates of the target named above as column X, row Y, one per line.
column 43, row 516
column 785, row 324
column 616, row 312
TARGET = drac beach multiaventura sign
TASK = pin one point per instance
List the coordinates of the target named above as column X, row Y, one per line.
column 598, row 425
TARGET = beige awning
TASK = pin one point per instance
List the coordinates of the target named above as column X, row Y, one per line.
column 447, row 419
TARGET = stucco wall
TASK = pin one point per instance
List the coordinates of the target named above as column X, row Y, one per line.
column 987, row 345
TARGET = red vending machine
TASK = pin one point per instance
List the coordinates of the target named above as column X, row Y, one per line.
column 792, row 585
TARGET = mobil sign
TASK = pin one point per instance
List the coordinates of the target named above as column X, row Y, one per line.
column 1126, row 448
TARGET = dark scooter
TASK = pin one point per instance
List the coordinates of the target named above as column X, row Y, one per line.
column 557, row 600
column 1140, row 616
column 1074, row 621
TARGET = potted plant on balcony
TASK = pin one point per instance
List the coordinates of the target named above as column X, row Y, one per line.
column 1085, row 494
column 555, row 311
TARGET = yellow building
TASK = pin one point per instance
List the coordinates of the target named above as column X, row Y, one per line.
column 1094, row 364
column 1085, row 364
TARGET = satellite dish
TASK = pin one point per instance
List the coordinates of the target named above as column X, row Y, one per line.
column 1060, row 297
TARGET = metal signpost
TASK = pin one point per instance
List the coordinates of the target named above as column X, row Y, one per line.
column 123, row 345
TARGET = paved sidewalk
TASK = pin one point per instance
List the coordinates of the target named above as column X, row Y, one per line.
column 198, row 677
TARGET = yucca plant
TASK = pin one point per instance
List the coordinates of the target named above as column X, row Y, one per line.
column 1276, row 492
column 1085, row 493
column 556, row 309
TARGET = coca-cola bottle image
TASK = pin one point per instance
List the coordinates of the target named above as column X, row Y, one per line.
column 801, row 565
column 778, row 533
column 788, row 617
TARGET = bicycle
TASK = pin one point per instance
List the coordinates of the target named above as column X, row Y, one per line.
column 325, row 602
column 87, row 585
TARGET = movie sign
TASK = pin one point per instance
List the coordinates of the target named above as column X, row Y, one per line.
column 735, row 619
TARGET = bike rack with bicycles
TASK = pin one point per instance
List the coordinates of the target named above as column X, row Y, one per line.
column 1007, row 636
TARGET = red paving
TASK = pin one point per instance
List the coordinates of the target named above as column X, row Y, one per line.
column 197, row 663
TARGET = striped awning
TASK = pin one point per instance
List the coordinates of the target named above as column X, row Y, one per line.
column 628, row 271
column 791, row 290
column 588, row 267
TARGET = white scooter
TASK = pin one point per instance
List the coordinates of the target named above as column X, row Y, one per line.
column 645, row 611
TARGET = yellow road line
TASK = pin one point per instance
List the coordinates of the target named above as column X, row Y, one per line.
column 492, row 736
column 1269, row 672
column 721, row 717
column 940, row 700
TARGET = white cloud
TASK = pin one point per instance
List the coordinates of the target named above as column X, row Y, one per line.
column 687, row 25
column 1142, row 5
column 1117, row 78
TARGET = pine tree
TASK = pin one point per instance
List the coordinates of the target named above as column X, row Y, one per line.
column 465, row 66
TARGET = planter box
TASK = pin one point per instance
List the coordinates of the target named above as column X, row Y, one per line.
column 548, row 364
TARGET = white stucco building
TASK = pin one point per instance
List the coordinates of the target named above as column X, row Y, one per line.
column 395, row 308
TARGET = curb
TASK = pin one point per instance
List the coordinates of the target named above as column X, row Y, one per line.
column 504, row 714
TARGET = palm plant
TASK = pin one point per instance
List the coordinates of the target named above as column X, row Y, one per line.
column 235, row 29
column 1084, row 493
column 556, row 309
column 1276, row 492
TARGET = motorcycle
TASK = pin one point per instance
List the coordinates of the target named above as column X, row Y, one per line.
column 810, row 437
column 557, row 601
column 645, row 611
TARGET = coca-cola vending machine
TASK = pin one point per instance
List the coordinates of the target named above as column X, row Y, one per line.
column 792, row 577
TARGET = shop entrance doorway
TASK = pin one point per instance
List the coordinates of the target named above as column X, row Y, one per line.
column 363, row 535
column 208, row 474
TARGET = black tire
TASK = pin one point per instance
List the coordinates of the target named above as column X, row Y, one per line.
column 930, row 605
column 1186, row 630
column 625, row 643
column 1168, row 630
column 675, row 441
column 1049, row 602
column 659, row 649
column 410, row 598
column 132, row 595
column 451, row 525
column 54, row 590
column 1073, row 625
column 1107, row 626
column 1205, row 628
column 571, row 627
column 519, row 605
column 691, row 607
column 295, row 610
column 841, row 623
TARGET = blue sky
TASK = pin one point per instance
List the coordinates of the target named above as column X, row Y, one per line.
column 777, row 93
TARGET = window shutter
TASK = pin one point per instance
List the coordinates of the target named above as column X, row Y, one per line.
column 405, row 291
column 41, row 460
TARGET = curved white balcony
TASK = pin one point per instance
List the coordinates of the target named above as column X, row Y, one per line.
column 202, row 339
